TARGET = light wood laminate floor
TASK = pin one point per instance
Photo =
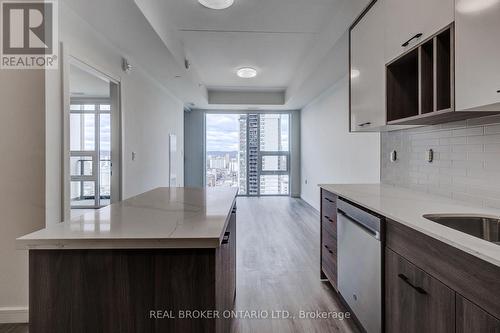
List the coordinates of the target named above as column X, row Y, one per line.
column 277, row 269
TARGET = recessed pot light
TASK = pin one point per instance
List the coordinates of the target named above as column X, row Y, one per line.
column 247, row 72
column 216, row 4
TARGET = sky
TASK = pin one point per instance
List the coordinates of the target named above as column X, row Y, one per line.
column 223, row 132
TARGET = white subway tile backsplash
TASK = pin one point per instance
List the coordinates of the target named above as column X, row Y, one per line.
column 467, row 148
column 495, row 138
column 488, row 157
column 466, row 165
column 492, row 148
column 494, row 129
column 469, row 131
column 451, row 141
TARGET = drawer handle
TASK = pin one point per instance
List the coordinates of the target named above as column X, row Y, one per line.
column 326, row 247
column 225, row 239
column 365, row 124
column 329, row 200
column 329, row 219
column 407, row 281
column 405, row 44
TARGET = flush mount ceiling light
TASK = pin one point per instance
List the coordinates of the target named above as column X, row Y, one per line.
column 216, row 4
column 247, row 72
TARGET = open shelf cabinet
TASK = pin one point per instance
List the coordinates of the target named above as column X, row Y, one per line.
column 420, row 83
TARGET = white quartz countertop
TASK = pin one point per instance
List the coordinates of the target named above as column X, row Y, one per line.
column 408, row 207
column 161, row 218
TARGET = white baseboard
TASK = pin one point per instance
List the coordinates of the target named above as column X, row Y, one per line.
column 13, row 315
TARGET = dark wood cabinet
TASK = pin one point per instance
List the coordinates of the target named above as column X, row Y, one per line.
column 415, row 301
column 133, row 290
column 424, row 283
column 328, row 252
column 226, row 274
column 471, row 318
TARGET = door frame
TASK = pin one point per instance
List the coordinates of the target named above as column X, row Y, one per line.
column 68, row 59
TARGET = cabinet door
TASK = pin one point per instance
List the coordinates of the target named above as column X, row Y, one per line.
column 477, row 51
column 471, row 318
column 368, row 70
column 415, row 301
column 407, row 18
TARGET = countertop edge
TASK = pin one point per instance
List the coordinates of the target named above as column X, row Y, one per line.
column 102, row 244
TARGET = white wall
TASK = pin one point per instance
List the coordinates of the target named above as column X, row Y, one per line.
column 149, row 114
column 31, row 141
column 22, row 181
column 330, row 154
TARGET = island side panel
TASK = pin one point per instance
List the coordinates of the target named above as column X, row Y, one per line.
column 226, row 275
column 115, row 290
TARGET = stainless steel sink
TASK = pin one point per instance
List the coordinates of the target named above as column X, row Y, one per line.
column 484, row 227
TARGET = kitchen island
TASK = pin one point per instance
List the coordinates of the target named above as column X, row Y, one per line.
column 163, row 261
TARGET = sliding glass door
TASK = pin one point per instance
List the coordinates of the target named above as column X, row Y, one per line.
column 249, row 151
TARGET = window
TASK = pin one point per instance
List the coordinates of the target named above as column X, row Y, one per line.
column 249, row 151
column 90, row 153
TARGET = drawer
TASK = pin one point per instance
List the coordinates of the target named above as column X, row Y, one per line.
column 329, row 204
column 329, row 241
column 329, row 264
column 332, row 198
column 329, row 224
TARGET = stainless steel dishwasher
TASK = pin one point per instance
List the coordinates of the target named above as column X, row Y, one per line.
column 360, row 264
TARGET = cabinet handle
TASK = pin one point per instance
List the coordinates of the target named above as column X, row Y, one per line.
column 329, row 219
column 225, row 239
column 326, row 247
column 407, row 281
column 329, row 200
column 405, row 44
column 365, row 124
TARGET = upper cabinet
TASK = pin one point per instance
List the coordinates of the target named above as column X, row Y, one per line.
column 409, row 22
column 424, row 62
column 477, row 55
column 368, row 70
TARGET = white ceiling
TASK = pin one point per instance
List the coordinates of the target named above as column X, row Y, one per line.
column 85, row 84
column 291, row 42
column 272, row 36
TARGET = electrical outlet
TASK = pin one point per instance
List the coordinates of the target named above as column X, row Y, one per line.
column 430, row 155
column 394, row 156
column 134, row 155
column 305, row 181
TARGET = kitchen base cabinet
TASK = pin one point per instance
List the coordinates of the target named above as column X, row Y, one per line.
column 415, row 301
column 328, row 252
column 133, row 290
column 471, row 318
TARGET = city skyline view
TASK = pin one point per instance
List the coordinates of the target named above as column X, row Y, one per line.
column 248, row 151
